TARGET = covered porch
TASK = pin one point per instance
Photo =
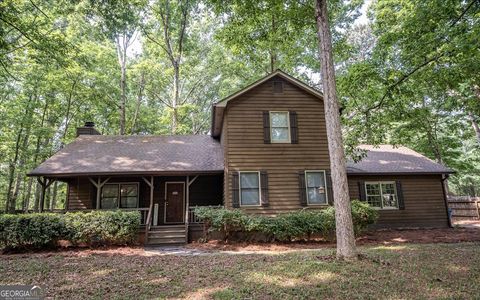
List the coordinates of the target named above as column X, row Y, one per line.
column 161, row 199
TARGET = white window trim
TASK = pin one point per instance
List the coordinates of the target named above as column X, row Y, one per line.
column 289, row 140
column 240, row 189
column 120, row 196
column 325, row 183
column 381, row 194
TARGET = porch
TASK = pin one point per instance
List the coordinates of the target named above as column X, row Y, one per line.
column 166, row 203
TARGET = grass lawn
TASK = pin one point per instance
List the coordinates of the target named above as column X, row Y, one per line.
column 399, row 271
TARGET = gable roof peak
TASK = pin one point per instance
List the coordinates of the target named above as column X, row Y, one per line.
column 219, row 107
column 277, row 72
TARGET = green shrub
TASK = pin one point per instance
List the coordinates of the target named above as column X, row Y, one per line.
column 31, row 230
column 103, row 227
column 226, row 221
column 40, row 230
column 362, row 215
column 291, row 226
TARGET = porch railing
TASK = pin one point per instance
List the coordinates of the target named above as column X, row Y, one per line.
column 193, row 219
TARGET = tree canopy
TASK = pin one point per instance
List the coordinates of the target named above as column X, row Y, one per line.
column 408, row 73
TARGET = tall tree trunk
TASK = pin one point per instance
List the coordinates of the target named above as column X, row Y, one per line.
column 141, row 87
column 36, row 155
column 273, row 52
column 343, row 217
column 122, row 45
column 476, row 127
column 175, row 96
column 27, row 195
column 38, row 192
column 54, row 196
column 20, row 168
column 10, row 205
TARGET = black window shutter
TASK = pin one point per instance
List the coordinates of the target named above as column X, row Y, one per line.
column 235, row 190
column 301, row 188
column 293, row 127
column 266, row 127
column 328, row 180
column 264, row 187
column 361, row 191
column 401, row 202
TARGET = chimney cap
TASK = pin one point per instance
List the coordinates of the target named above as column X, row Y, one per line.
column 89, row 124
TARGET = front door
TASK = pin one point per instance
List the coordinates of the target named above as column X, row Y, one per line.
column 174, row 202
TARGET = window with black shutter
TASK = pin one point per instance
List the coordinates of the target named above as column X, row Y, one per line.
column 383, row 194
column 293, row 127
column 266, row 127
column 264, row 188
column 235, row 190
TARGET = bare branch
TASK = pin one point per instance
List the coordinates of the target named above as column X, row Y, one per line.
column 159, row 98
column 38, row 8
column 6, row 70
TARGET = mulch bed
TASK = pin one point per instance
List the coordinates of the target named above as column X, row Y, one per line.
column 377, row 237
column 372, row 238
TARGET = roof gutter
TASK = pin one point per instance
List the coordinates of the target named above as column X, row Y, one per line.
column 134, row 173
column 399, row 173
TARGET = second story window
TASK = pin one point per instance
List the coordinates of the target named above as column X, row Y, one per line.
column 279, row 127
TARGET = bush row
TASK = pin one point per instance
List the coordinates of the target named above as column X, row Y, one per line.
column 302, row 224
column 40, row 230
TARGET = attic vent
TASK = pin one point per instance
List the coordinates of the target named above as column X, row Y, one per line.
column 278, row 87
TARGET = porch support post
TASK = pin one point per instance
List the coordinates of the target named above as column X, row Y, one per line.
column 187, row 202
column 150, row 208
column 99, row 184
column 45, row 183
column 149, row 215
column 187, row 207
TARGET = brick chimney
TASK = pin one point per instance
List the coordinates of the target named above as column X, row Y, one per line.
column 87, row 129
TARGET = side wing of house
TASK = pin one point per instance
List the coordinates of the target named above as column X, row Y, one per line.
column 421, row 197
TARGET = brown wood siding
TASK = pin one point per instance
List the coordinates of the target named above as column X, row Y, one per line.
column 80, row 193
column 224, row 142
column 423, row 196
column 245, row 149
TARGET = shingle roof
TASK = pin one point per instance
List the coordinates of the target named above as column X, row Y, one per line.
column 100, row 154
column 387, row 159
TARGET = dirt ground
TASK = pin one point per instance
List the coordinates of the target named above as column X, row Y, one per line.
column 377, row 237
column 468, row 223
column 372, row 238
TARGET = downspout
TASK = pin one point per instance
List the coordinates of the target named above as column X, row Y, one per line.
column 444, row 178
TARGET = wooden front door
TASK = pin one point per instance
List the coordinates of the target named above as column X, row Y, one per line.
column 174, row 202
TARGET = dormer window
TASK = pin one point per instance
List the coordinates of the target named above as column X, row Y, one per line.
column 280, row 127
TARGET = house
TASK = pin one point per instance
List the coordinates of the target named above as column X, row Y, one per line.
column 267, row 154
